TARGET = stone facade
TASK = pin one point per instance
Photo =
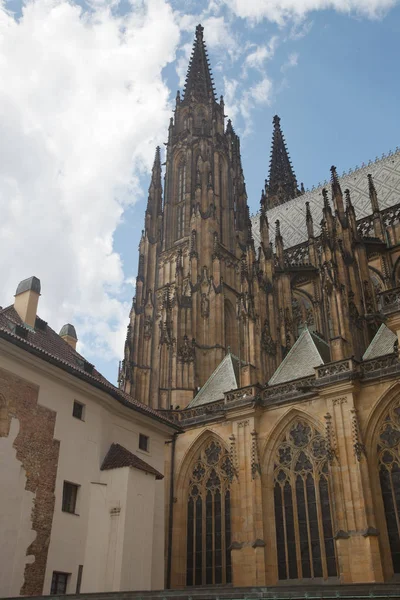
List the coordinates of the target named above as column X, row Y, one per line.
column 295, row 479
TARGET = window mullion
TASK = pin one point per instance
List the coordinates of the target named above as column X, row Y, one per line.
column 223, row 541
column 296, row 523
column 396, row 514
column 203, row 536
column 285, row 533
column 321, row 527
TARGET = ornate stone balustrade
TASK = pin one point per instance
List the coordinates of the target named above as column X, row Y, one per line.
column 245, row 393
column 340, row 369
column 287, row 391
column 383, row 365
column 389, row 301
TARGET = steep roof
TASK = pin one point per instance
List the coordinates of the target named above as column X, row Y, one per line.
column 118, row 457
column 199, row 81
column 45, row 343
column 292, row 214
column 382, row 343
column 223, row 379
column 309, row 351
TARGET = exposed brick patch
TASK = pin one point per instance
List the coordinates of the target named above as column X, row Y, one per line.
column 38, row 453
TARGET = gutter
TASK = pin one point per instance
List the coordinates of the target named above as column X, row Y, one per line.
column 171, row 511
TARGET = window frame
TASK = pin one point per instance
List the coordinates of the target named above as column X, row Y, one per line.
column 83, row 406
column 65, row 505
column 54, row 590
column 147, row 438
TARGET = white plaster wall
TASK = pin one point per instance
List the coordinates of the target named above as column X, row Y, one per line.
column 16, row 505
column 138, row 533
column 83, row 445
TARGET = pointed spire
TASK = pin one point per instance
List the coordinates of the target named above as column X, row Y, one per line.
column 282, row 184
column 279, row 244
column 337, row 194
column 199, row 81
column 373, row 196
column 309, row 221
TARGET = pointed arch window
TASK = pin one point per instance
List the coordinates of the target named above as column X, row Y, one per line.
column 303, row 314
column 389, row 475
column 303, row 517
column 208, row 558
column 181, row 181
column 180, row 209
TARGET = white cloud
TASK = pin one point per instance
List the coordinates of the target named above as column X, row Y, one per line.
column 82, row 107
column 281, row 11
column 257, row 58
column 291, row 62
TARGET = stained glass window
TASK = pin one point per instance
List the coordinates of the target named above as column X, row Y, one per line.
column 303, row 518
column 208, row 558
column 389, row 474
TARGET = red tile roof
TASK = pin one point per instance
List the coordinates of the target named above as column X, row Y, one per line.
column 118, row 457
column 45, row 343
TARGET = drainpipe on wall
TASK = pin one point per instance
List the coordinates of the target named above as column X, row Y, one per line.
column 171, row 511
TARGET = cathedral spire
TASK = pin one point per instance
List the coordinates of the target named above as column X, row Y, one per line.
column 282, row 183
column 154, row 201
column 199, row 81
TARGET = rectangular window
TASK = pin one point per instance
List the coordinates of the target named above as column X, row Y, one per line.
column 143, row 442
column 78, row 410
column 70, row 493
column 59, row 583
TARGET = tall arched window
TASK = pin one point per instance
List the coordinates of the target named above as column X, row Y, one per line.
column 389, row 474
column 303, row 314
column 303, row 519
column 208, row 558
column 180, row 209
column 181, row 182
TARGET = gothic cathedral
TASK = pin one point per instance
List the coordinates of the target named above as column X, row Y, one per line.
column 276, row 352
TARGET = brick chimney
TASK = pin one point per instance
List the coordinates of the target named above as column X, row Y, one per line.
column 26, row 300
column 68, row 333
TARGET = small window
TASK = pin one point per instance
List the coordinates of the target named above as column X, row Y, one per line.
column 70, row 493
column 59, row 583
column 78, row 410
column 143, row 442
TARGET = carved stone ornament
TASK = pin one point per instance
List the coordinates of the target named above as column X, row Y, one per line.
column 255, row 460
column 186, row 351
column 359, row 448
column 148, row 327
column 267, row 343
column 205, row 306
column 233, row 456
column 166, row 336
column 330, row 439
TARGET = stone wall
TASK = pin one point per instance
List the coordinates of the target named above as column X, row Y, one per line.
column 37, row 452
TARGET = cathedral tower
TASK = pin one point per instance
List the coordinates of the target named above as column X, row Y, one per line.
column 193, row 299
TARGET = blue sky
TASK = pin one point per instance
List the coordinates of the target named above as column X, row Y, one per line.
column 88, row 94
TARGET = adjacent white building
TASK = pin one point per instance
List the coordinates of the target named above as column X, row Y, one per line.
column 81, row 467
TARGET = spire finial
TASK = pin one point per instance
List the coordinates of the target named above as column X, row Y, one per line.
column 373, row 196
column 309, row 221
column 199, row 32
column 282, row 183
column 199, row 81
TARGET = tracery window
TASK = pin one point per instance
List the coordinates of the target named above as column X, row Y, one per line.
column 303, row 314
column 181, row 182
column 389, row 475
column 209, row 518
column 303, row 518
column 180, row 214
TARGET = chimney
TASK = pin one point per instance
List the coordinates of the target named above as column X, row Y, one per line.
column 26, row 300
column 68, row 334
